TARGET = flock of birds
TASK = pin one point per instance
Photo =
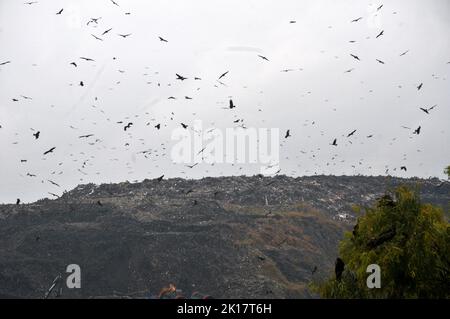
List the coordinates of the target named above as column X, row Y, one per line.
column 128, row 124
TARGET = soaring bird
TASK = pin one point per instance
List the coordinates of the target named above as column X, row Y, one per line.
column 160, row 178
column 223, row 74
column 419, row 86
column 417, row 131
column 3, row 63
column 351, row 133
column 60, row 11
column 184, row 125
column 106, row 31
column 124, row 35
column 231, row 105
column 127, row 126
column 180, row 77
column 115, row 3
column 96, row 37
column 357, row 19
column 402, row 54
column 162, row 39
column 158, row 126
column 379, row 61
column 355, row 57
column 81, row 83
column 428, row 110
column 85, row 136
column 379, row 34
column 18, row 201
column 334, row 142
column 86, row 59
column 263, row 57
column 74, row 64
column 36, row 135
column 403, row 168
column 288, row 133
column 339, row 268
column 378, row 9
column 49, row 151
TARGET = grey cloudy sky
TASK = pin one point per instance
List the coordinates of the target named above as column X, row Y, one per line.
column 317, row 101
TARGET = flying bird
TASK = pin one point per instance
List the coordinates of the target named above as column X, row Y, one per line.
column 18, row 201
column 402, row 54
column 60, row 11
column 184, row 125
column 351, row 133
column 287, row 134
column 124, row 35
column 162, row 39
column 417, row 131
column 419, row 86
column 85, row 136
column 74, row 64
column 334, row 142
column 379, row 34
column 357, row 19
column 231, row 105
column 115, row 3
column 263, row 57
column 126, row 127
column 355, row 57
column 86, row 59
column 97, row 38
column 36, row 135
column 3, row 63
column 223, row 74
column 159, row 179
column 49, row 151
column 403, row 168
column 106, row 31
column 379, row 61
column 180, row 77
column 379, row 8
column 158, row 126
column 429, row 109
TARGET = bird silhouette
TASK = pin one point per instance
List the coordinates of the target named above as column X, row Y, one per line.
column 74, row 64
column 263, row 57
column 419, row 86
column 379, row 61
column 334, row 142
column 158, row 126
column 6, row 62
column 180, row 77
column 126, row 127
column 417, row 131
column 49, row 151
column 351, row 133
column 428, row 110
column 184, row 125
column 162, row 39
column 355, row 57
column 231, row 105
column 36, row 135
column 379, row 34
column 287, row 134
column 106, row 31
column 124, row 35
column 223, row 74
column 403, row 168
column 60, row 11
column 159, row 179
column 357, row 19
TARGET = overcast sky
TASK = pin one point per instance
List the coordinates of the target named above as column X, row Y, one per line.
column 132, row 78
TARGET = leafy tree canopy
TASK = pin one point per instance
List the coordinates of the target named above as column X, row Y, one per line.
column 409, row 240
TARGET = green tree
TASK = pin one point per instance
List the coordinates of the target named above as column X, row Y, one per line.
column 410, row 241
column 447, row 171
